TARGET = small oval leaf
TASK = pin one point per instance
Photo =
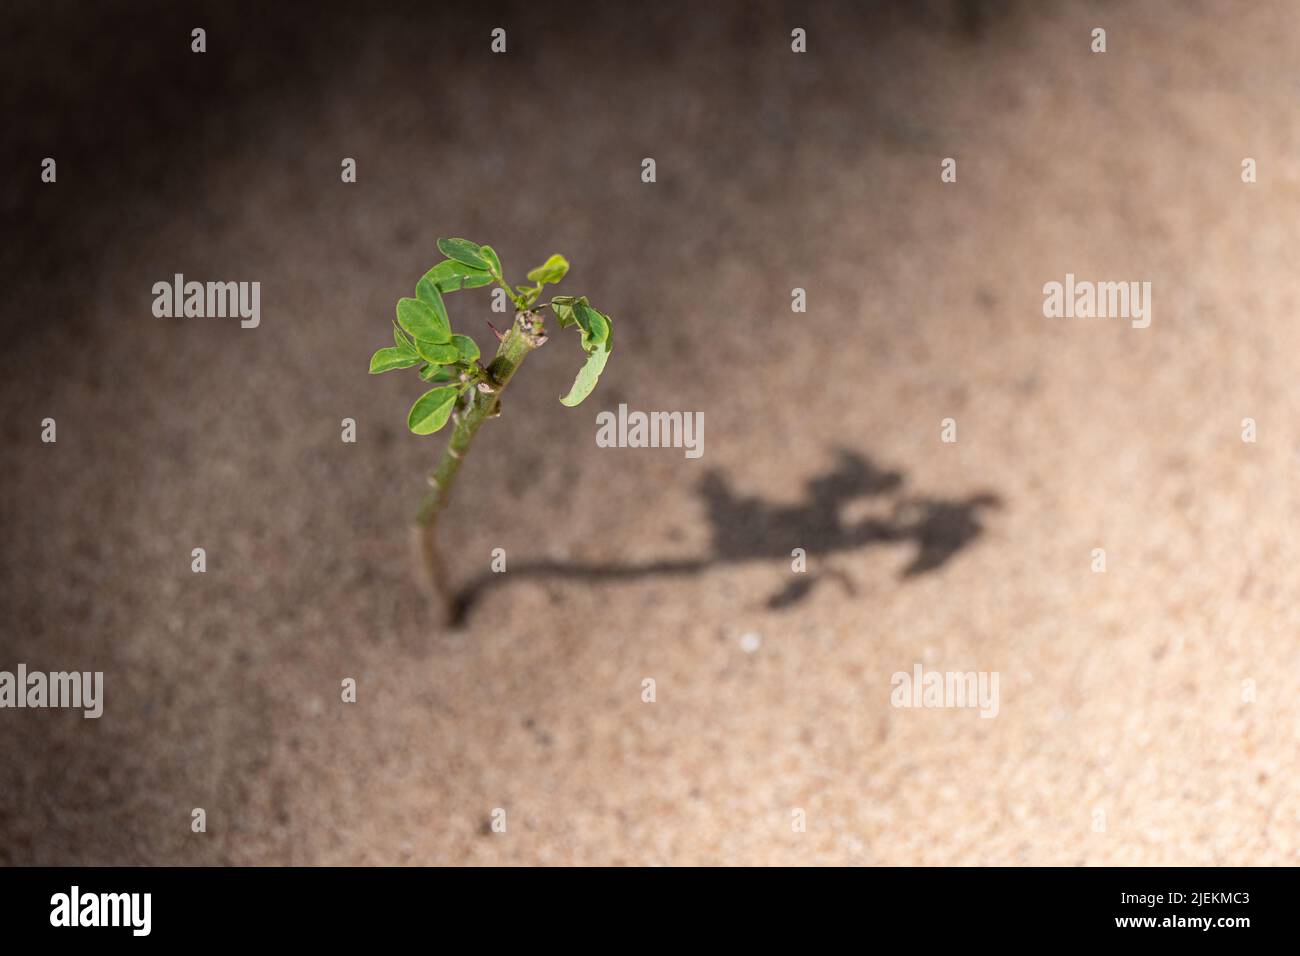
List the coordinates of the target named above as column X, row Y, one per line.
column 437, row 373
column 436, row 353
column 404, row 345
column 420, row 321
column 385, row 360
column 431, row 410
column 562, row 306
column 587, row 375
column 427, row 292
column 552, row 270
column 489, row 255
column 467, row 348
column 594, row 325
column 464, row 251
column 452, row 276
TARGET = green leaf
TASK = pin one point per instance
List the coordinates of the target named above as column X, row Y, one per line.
column 489, row 255
column 553, row 270
column 562, row 306
column 452, row 276
column 431, row 410
column 437, row 373
column 587, row 375
column 464, row 251
column 594, row 325
column 437, row 353
column 421, row 322
column 467, row 348
column 385, row 360
column 404, row 345
column 427, row 292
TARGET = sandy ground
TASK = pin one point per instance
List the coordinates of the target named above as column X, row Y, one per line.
column 1125, row 695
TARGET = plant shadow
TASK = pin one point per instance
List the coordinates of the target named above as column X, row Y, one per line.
column 747, row 528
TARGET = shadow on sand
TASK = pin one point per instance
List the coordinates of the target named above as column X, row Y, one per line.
column 751, row 529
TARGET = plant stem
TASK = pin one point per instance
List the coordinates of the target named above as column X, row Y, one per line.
column 482, row 403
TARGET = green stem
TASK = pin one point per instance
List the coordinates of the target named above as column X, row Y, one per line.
column 514, row 296
column 483, row 402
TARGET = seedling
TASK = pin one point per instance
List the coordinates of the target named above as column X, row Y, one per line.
column 466, row 392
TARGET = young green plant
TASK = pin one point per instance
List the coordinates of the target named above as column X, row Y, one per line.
column 465, row 391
